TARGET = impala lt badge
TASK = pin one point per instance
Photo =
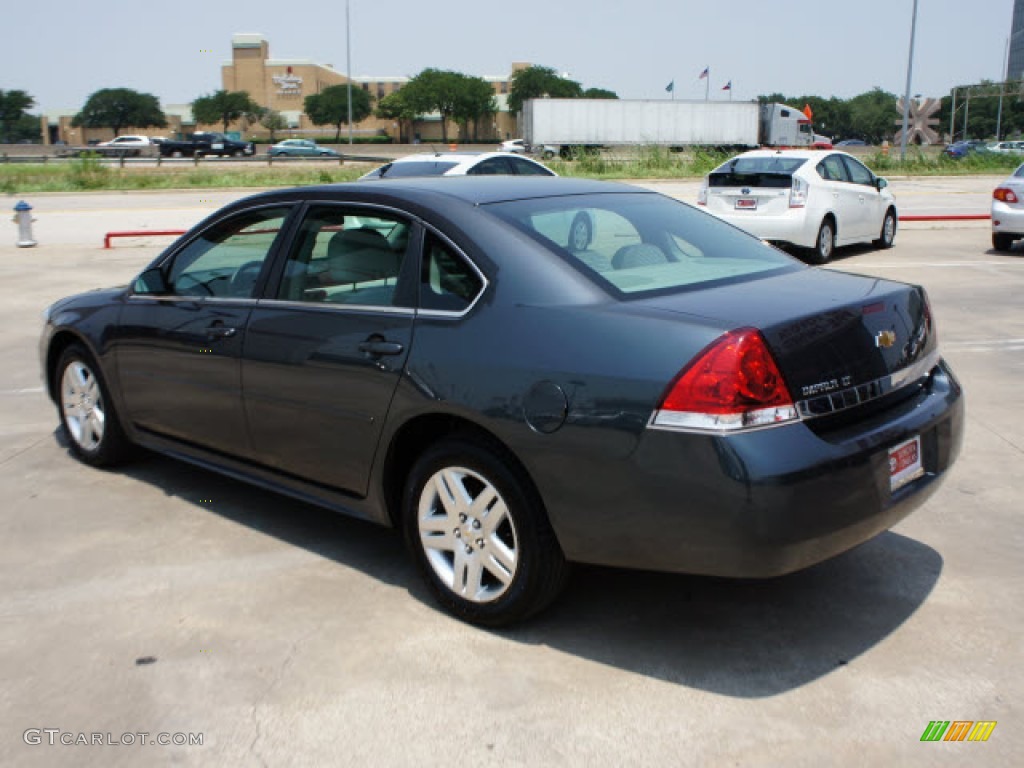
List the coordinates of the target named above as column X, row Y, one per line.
column 885, row 339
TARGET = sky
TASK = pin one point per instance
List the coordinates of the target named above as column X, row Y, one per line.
column 61, row 51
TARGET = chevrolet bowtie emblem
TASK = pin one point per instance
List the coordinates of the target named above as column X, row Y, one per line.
column 885, row 339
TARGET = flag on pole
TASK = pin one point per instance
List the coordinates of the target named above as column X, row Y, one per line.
column 670, row 88
column 705, row 73
column 727, row 86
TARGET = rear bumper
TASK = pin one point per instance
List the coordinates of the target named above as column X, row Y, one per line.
column 766, row 502
column 794, row 227
column 1007, row 219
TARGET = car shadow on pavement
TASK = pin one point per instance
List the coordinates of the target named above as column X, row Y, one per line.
column 742, row 638
column 371, row 548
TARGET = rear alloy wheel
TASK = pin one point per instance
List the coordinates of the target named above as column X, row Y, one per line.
column 480, row 536
column 1001, row 241
column 86, row 412
column 888, row 234
column 825, row 244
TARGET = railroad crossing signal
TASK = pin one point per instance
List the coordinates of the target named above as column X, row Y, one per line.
column 920, row 122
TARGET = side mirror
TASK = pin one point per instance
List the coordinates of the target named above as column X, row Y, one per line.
column 881, row 183
column 151, row 282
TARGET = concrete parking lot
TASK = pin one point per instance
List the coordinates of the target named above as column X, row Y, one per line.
column 164, row 599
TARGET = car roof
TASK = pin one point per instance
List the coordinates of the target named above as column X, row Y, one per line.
column 806, row 154
column 474, row 190
column 454, row 157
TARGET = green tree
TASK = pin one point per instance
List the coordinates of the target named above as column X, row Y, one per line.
column 474, row 102
column 599, row 93
column 224, row 107
column 435, row 90
column 873, row 116
column 395, row 106
column 535, row 82
column 14, row 106
column 117, row 108
column 330, row 106
column 273, row 121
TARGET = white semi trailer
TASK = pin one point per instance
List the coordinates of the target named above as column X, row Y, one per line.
column 558, row 125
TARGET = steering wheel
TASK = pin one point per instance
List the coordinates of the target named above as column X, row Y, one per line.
column 244, row 279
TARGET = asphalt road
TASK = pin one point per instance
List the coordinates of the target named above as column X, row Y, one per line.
column 287, row 635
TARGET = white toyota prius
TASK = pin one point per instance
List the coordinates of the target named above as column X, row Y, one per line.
column 810, row 199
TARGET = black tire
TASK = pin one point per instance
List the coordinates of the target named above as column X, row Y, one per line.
column 888, row 233
column 77, row 369
column 581, row 232
column 539, row 569
column 825, row 244
column 1002, row 241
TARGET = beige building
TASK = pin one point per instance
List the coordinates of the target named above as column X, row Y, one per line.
column 283, row 85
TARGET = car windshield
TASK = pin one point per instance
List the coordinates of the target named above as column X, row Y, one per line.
column 771, row 171
column 1019, row 173
column 412, row 168
column 641, row 244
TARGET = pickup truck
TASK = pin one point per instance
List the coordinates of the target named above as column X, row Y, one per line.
column 207, row 144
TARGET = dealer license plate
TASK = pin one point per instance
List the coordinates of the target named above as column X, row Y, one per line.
column 747, row 203
column 905, row 463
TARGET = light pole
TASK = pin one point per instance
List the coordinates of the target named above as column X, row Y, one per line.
column 906, row 94
column 348, row 66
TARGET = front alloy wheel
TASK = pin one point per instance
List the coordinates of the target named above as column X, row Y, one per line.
column 86, row 412
column 479, row 533
column 888, row 233
column 82, row 404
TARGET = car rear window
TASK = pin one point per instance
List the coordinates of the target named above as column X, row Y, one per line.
column 643, row 244
column 412, row 168
column 756, row 172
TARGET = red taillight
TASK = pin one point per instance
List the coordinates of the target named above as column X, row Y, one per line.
column 1005, row 195
column 733, row 384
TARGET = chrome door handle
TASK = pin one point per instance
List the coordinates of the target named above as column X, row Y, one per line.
column 220, row 332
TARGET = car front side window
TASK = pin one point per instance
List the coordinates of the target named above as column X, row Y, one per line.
column 224, row 261
column 859, row 174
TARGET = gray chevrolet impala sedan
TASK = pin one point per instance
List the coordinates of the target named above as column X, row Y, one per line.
column 451, row 357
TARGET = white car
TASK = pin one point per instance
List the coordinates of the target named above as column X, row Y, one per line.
column 1008, row 147
column 128, row 141
column 1008, row 211
column 810, row 199
column 520, row 147
column 460, row 164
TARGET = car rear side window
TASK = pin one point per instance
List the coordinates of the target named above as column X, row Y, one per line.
column 413, row 168
column 526, row 168
column 448, row 283
column 640, row 244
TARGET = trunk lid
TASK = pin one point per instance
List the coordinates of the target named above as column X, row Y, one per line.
column 838, row 339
